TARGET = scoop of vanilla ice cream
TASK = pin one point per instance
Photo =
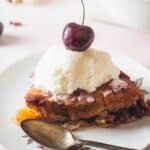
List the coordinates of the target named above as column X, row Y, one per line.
column 63, row 71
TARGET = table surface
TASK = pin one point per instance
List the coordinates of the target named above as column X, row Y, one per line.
column 43, row 25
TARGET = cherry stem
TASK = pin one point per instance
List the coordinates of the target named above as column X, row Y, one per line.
column 83, row 6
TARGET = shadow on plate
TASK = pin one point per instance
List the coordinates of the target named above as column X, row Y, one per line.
column 8, row 39
column 138, row 124
column 144, row 122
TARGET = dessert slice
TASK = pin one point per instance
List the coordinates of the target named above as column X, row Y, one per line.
column 77, row 86
column 82, row 88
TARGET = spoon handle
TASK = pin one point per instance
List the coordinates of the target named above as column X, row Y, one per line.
column 105, row 146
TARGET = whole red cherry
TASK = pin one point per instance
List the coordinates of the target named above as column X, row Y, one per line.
column 77, row 37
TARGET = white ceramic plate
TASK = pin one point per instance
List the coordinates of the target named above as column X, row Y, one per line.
column 13, row 86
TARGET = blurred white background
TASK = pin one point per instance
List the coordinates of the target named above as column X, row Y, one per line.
column 119, row 25
column 133, row 13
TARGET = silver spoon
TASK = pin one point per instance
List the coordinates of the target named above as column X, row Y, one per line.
column 57, row 137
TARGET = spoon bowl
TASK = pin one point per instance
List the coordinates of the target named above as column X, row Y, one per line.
column 48, row 134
